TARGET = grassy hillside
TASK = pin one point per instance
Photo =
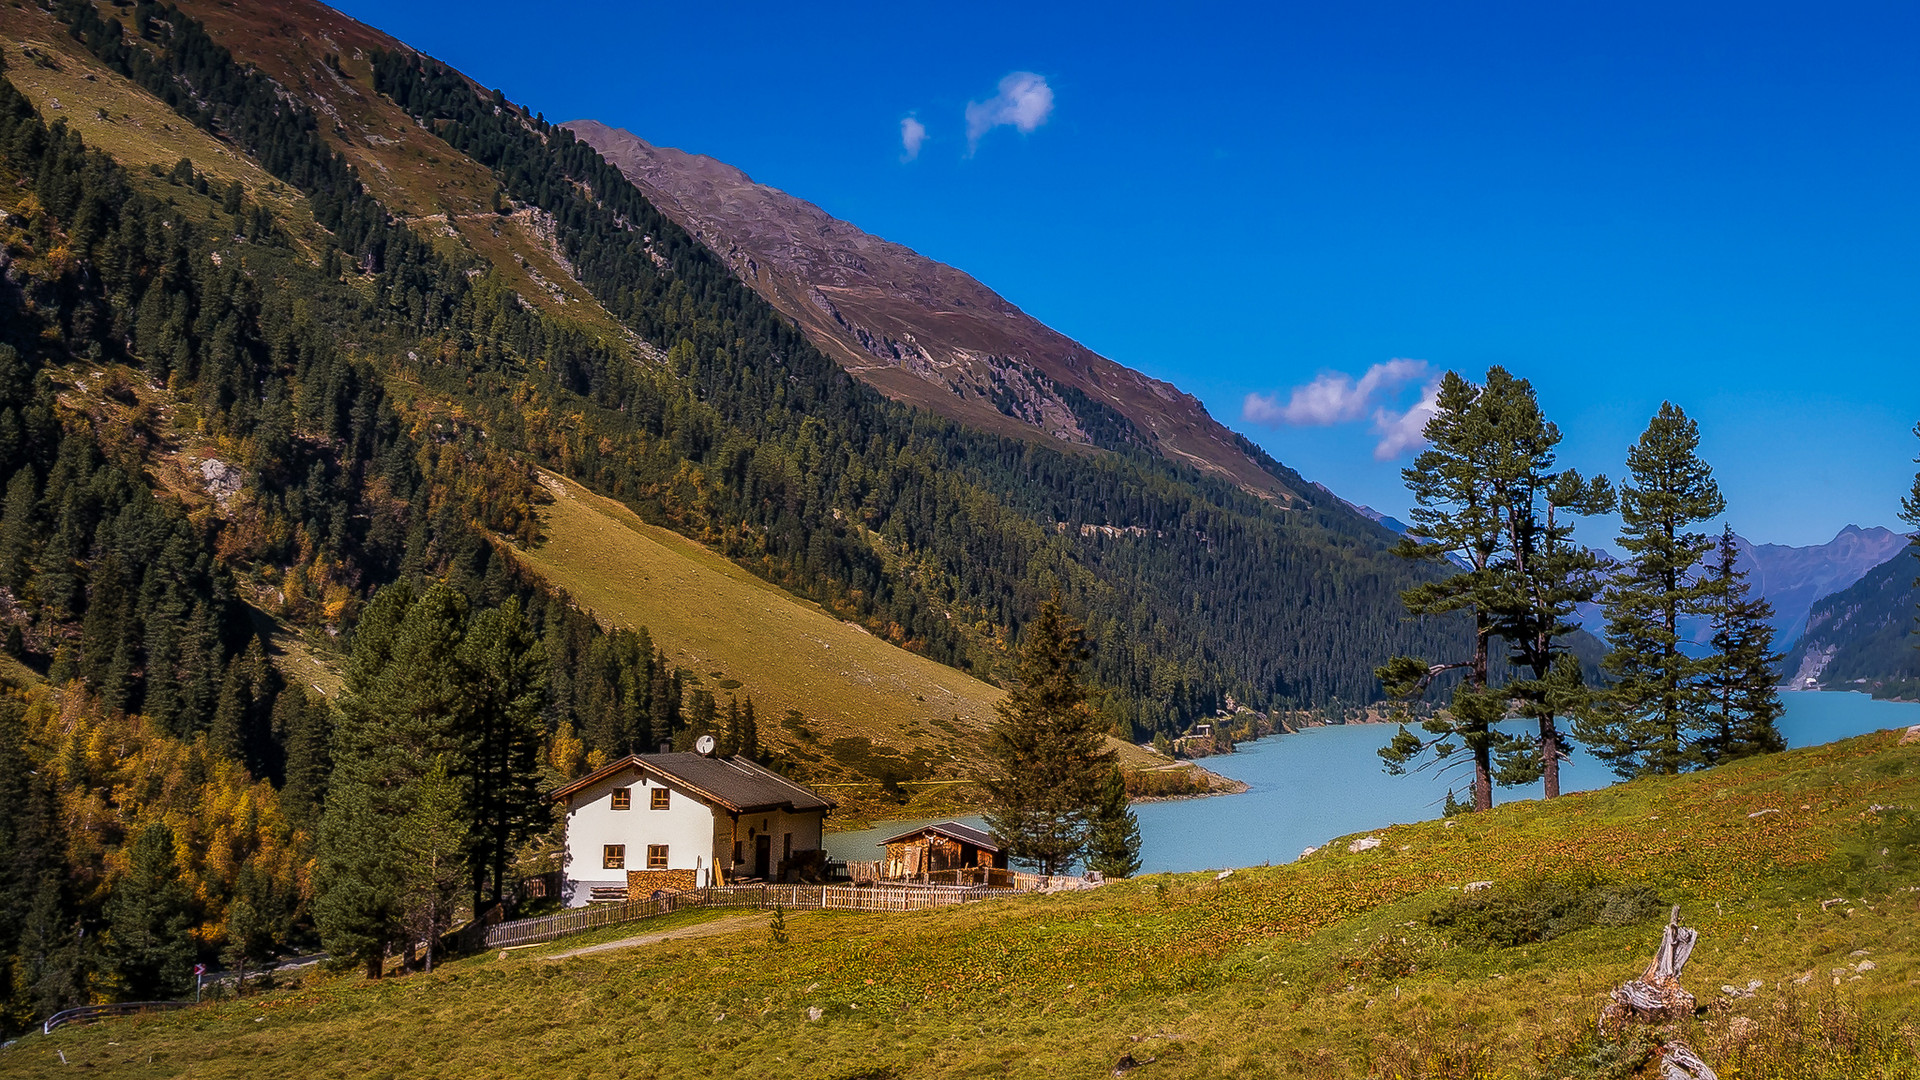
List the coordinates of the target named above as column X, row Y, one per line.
column 845, row 704
column 1799, row 871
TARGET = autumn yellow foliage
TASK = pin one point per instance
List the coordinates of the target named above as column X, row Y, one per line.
column 116, row 774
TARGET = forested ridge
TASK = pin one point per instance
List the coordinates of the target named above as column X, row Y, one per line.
column 1222, row 593
column 938, row 538
column 1865, row 633
column 380, row 401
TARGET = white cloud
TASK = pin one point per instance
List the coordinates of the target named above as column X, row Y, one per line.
column 912, row 134
column 1404, row 431
column 1333, row 397
column 1023, row 103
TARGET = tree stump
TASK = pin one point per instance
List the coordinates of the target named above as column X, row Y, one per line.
column 1657, row 997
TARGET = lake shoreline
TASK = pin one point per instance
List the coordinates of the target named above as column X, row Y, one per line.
column 1328, row 781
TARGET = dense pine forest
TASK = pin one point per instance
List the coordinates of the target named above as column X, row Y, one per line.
column 373, row 406
column 939, row 538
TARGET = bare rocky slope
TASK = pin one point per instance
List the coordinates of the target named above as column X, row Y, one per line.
column 921, row 331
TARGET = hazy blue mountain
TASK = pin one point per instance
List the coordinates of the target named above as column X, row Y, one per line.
column 1862, row 637
column 1794, row 578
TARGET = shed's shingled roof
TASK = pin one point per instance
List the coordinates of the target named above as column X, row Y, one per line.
column 734, row 783
column 952, row 830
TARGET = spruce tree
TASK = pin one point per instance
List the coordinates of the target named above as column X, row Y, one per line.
column 432, row 840
column 1047, row 748
column 150, row 922
column 747, row 740
column 660, row 702
column 1114, row 846
column 18, row 528
column 1644, row 722
column 357, row 889
column 1743, row 705
column 505, row 667
column 228, row 735
column 728, row 737
column 305, row 727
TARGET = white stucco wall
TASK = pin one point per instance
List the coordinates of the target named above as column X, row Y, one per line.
column 687, row 827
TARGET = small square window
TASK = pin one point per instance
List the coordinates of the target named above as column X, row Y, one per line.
column 660, row 798
column 614, row 857
column 622, row 798
column 656, row 856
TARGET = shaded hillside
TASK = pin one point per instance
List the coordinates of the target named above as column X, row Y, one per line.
column 1863, row 636
column 923, row 332
column 512, row 319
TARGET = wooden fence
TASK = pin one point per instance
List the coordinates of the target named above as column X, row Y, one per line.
column 885, row 898
column 577, row 920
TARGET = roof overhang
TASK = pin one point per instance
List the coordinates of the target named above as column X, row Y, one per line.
column 640, row 764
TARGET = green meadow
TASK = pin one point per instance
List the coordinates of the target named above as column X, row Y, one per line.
column 1800, row 870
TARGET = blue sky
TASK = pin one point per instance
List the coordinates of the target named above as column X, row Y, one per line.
column 1624, row 203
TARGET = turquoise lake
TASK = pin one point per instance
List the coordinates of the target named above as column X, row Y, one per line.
column 1305, row 789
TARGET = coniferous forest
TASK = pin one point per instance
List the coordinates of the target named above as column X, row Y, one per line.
column 379, row 404
column 229, row 429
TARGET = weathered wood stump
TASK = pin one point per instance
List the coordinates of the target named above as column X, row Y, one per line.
column 1657, row 997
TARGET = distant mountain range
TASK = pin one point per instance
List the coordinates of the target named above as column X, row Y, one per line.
column 1793, row 579
column 1862, row 637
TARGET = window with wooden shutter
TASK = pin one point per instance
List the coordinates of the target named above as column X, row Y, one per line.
column 661, row 798
column 656, row 856
column 614, row 857
column 622, row 798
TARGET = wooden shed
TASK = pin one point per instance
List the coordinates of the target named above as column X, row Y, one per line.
column 947, row 851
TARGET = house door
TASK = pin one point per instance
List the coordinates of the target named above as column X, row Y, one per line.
column 762, row 855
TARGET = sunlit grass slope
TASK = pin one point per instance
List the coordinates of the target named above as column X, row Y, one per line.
column 1797, row 869
column 745, row 637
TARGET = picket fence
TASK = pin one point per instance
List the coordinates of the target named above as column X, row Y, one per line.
column 877, row 898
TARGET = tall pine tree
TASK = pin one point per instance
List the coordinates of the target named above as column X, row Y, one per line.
column 1048, row 748
column 1458, row 519
column 1543, row 573
column 1643, row 724
column 505, row 668
column 1742, row 704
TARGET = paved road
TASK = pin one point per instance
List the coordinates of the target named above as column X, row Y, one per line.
column 700, row 930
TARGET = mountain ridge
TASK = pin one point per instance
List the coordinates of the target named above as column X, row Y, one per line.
column 1862, row 636
column 1794, row 579
column 922, row 331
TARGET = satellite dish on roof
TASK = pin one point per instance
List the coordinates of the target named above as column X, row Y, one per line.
column 704, row 746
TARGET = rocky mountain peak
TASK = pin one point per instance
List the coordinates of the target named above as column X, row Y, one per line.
column 921, row 331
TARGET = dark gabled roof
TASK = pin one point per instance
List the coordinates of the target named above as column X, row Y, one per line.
column 734, row 784
column 952, row 830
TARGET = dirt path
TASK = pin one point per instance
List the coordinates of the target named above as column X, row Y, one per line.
column 700, row 930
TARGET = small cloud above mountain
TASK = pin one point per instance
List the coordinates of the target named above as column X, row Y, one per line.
column 1023, row 103
column 913, row 134
column 1335, row 397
